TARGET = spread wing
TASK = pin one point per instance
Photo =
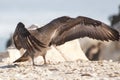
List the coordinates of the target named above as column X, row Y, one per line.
column 84, row 27
column 23, row 39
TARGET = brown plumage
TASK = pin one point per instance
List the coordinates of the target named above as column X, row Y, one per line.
column 57, row 32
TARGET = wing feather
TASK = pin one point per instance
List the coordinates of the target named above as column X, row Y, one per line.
column 84, row 27
column 23, row 39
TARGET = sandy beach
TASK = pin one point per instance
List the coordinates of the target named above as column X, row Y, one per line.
column 68, row 70
column 62, row 65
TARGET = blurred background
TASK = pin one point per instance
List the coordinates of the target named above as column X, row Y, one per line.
column 41, row 12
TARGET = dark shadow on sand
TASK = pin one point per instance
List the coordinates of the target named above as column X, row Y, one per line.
column 9, row 66
column 18, row 65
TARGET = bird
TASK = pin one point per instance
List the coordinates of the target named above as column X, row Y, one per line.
column 93, row 52
column 57, row 32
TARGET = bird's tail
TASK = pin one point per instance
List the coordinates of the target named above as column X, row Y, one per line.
column 23, row 58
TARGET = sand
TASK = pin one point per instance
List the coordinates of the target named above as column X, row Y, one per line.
column 62, row 65
column 67, row 70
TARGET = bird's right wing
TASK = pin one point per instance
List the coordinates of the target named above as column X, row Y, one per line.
column 23, row 39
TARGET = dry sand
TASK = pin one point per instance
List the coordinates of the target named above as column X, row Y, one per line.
column 62, row 65
column 70, row 70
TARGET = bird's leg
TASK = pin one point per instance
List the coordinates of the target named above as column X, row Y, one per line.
column 62, row 54
column 44, row 59
column 33, row 60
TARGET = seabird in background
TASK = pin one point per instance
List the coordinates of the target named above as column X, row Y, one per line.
column 57, row 32
column 93, row 52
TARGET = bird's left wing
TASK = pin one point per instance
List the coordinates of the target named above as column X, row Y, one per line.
column 84, row 27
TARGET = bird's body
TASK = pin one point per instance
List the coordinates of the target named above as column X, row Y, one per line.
column 43, row 34
column 57, row 32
